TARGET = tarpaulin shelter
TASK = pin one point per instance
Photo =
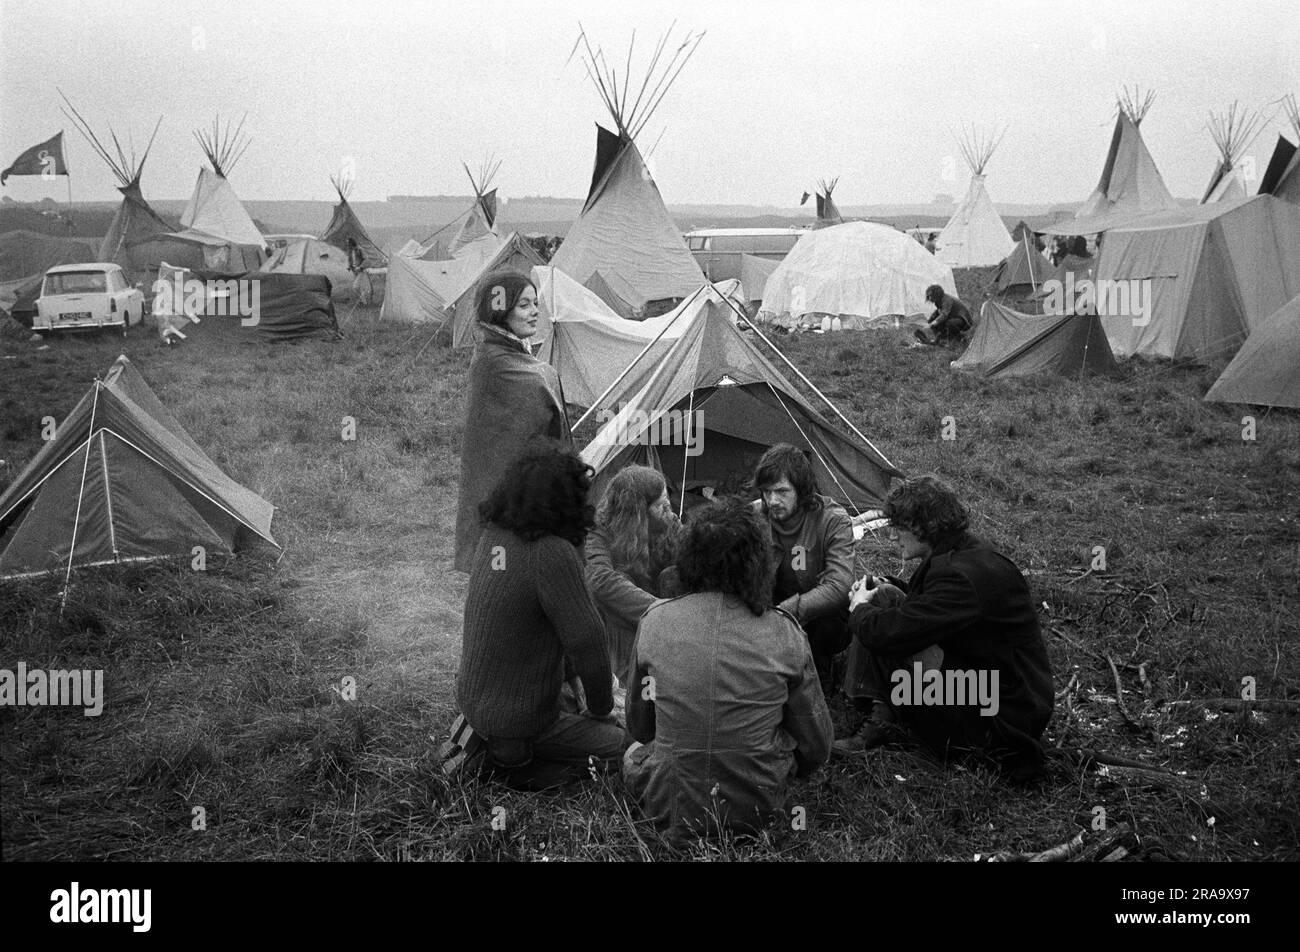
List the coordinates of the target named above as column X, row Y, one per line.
column 859, row 271
column 121, row 481
column 1007, row 343
column 291, row 307
column 1266, row 371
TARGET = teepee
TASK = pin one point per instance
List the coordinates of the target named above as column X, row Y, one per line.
column 344, row 224
column 975, row 236
column 137, row 238
column 1282, row 178
column 1130, row 184
column 1232, row 132
column 827, row 212
column 214, row 216
column 624, row 231
column 482, row 218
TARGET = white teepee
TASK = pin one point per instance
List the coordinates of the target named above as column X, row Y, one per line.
column 214, row 216
column 975, row 236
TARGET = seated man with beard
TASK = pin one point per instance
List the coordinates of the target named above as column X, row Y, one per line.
column 725, row 700
column 630, row 554
column 812, row 545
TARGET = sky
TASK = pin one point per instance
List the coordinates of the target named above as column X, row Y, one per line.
column 778, row 95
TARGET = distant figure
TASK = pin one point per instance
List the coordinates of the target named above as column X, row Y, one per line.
column 951, row 318
column 361, row 285
column 929, row 243
column 725, row 704
column 1079, row 247
column 1059, row 250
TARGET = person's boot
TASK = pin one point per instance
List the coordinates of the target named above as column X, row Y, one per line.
column 463, row 749
column 920, row 335
column 878, row 729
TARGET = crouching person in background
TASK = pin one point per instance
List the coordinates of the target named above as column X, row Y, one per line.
column 530, row 626
column 725, row 699
column 958, row 658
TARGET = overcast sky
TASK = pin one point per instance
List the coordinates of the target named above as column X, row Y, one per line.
column 779, row 93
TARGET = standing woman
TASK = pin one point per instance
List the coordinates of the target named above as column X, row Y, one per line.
column 513, row 397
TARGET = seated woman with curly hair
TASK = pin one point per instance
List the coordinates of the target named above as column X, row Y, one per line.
column 958, row 657
column 530, row 626
column 725, row 698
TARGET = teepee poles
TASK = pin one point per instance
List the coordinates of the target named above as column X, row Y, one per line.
column 126, row 166
column 223, row 147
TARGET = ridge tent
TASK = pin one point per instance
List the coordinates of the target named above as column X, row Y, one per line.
column 309, row 256
column 624, row 231
column 1022, row 271
column 122, row 481
column 859, row 271
column 975, row 236
column 590, row 346
column 420, row 289
column 1130, row 184
column 1213, row 272
column 1007, row 343
column 713, row 390
column 1266, row 371
column 345, row 224
column 214, row 218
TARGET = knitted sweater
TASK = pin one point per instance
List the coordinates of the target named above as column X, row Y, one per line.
column 526, row 609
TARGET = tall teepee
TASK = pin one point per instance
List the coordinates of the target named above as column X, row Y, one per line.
column 344, row 224
column 482, row 217
column 1232, row 131
column 137, row 237
column 975, row 236
column 214, row 216
column 1130, row 183
column 625, row 233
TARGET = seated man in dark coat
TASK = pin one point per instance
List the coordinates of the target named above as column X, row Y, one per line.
column 958, row 657
column 951, row 318
column 812, row 547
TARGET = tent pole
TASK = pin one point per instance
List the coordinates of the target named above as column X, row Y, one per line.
column 681, row 309
column 743, row 316
column 81, row 493
column 686, row 457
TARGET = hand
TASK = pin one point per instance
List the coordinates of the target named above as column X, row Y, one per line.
column 579, row 694
column 861, row 591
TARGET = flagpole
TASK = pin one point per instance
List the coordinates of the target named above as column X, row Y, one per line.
column 68, row 176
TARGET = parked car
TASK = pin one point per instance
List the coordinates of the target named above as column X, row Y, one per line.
column 87, row 295
column 717, row 250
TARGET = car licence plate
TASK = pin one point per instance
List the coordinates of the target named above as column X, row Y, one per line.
column 75, row 316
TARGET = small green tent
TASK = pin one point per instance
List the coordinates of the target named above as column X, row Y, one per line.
column 122, row 481
column 1007, row 343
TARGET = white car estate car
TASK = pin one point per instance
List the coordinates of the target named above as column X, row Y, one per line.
column 87, row 295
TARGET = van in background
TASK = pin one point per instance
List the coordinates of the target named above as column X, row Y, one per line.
column 717, row 250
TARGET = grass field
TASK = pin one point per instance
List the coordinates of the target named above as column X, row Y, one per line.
column 223, row 688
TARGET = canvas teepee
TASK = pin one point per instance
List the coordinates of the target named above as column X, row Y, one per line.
column 1130, row 184
column 624, row 231
column 827, row 211
column 344, row 224
column 1232, row 132
column 214, row 217
column 482, row 217
column 137, row 238
column 1282, row 177
column 975, row 236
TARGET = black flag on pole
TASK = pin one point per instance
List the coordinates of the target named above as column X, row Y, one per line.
column 45, row 159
